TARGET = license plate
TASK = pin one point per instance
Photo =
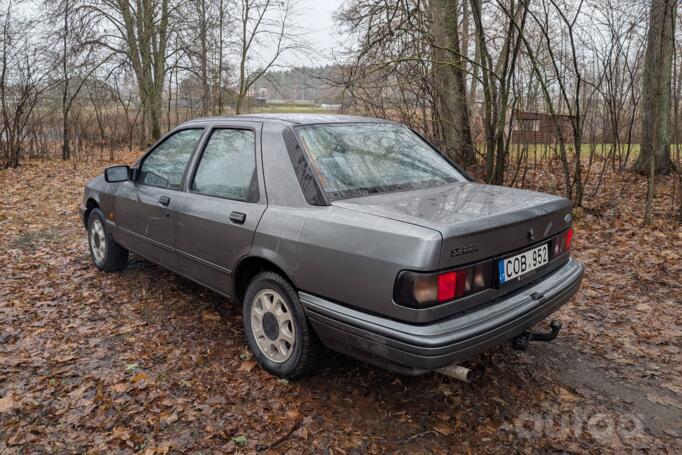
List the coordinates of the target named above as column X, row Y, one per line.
column 516, row 266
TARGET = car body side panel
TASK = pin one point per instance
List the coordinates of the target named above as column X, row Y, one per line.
column 207, row 242
column 101, row 192
column 209, row 245
column 146, row 225
column 347, row 256
column 282, row 187
column 105, row 196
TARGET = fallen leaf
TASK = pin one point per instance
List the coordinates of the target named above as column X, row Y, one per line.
column 121, row 433
column 443, row 430
column 139, row 377
column 247, row 366
column 121, row 387
column 210, row 316
column 7, row 403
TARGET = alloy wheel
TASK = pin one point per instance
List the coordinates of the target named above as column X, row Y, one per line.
column 272, row 325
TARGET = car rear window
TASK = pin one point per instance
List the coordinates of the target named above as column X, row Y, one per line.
column 356, row 159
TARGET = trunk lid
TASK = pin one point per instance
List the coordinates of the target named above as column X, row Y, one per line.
column 476, row 221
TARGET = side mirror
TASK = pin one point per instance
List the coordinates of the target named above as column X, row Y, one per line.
column 117, row 174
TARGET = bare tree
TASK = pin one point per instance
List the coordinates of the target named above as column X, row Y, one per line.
column 124, row 96
column 139, row 31
column 451, row 108
column 618, row 50
column 655, row 144
column 264, row 23
column 23, row 79
column 207, row 35
column 496, row 79
column 76, row 59
column 405, row 63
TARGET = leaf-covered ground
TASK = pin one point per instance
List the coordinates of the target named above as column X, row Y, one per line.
column 144, row 361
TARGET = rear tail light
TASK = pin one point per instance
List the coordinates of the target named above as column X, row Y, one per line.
column 562, row 243
column 420, row 290
column 447, row 285
column 425, row 289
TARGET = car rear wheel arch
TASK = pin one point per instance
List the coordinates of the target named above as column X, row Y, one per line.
column 248, row 268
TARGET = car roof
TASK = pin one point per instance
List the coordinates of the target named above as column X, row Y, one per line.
column 292, row 119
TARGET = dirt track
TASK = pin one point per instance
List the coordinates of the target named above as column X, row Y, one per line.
column 145, row 361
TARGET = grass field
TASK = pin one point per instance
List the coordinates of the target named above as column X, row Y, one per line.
column 585, row 149
column 600, row 150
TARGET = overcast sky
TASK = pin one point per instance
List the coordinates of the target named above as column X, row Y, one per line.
column 316, row 18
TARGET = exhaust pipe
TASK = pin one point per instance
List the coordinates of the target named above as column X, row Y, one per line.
column 457, row 372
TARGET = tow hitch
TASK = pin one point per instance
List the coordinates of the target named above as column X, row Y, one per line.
column 520, row 342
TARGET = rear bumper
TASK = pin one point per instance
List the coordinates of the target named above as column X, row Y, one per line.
column 416, row 349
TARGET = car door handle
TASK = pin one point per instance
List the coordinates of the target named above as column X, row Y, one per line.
column 238, row 217
column 164, row 200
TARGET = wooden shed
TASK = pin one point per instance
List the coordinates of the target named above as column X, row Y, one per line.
column 540, row 128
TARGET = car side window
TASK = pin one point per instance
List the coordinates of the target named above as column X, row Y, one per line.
column 227, row 167
column 165, row 165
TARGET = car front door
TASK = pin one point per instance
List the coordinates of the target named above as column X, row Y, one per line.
column 218, row 214
column 145, row 208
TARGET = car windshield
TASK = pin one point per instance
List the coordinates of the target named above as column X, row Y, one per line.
column 356, row 159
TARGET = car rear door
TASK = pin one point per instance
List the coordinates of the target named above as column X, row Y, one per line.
column 224, row 200
column 145, row 207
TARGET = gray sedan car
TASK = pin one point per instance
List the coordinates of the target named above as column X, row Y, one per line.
column 343, row 232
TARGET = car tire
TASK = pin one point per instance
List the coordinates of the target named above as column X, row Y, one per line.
column 277, row 330
column 106, row 254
